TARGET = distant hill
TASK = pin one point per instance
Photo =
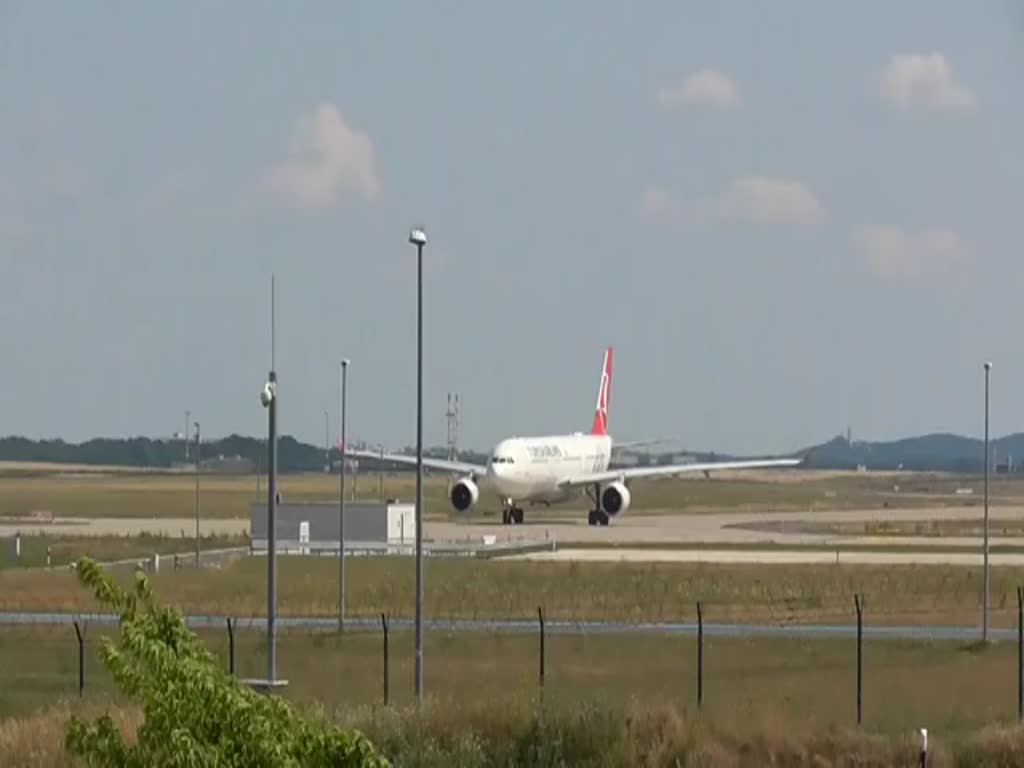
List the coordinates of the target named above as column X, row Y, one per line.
column 941, row 452
column 935, row 452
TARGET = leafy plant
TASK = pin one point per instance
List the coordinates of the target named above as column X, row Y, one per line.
column 195, row 715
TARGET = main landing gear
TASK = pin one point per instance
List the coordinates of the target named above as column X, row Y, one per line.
column 511, row 514
column 597, row 516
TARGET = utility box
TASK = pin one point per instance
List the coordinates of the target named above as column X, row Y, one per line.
column 312, row 527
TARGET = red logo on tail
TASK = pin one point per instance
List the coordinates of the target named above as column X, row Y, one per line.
column 601, row 413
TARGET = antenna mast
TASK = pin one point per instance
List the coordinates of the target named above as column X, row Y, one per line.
column 452, row 414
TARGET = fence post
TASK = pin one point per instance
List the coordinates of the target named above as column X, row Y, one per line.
column 924, row 748
column 540, row 618
column 1020, row 654
column 700, row 654
column 79, row 632
column 858, row 601
column 384, row 624
column 231, row 645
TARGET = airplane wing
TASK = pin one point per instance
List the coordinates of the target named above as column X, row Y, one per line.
column 444, row 465
column 670, row 470
column 638, row 443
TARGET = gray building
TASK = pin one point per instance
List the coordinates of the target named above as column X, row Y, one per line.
column 313, row 526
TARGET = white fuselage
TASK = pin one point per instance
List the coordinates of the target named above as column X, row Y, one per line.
column 531, row 468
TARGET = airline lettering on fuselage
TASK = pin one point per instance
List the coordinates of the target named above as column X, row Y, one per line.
column 544, row 451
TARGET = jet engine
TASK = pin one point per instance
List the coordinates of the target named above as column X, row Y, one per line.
column 464, row 494
column 615, row 498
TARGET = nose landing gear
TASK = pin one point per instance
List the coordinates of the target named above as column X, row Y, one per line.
column 511, row 514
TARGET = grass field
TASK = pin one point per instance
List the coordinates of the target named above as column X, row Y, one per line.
column 229, row 496
column 64, row 550
column 506, row 734
column 761, row 696
column 807, row 683
column 463, row 588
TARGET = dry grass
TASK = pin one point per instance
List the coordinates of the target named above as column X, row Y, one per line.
column 623, row 701
column 165, row 495
column 622, row 591
column 229, row 496
column 37, row 740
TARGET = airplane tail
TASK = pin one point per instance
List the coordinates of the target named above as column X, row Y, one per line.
column 604, row 390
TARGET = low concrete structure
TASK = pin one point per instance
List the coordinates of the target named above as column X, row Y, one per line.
column 312, row 527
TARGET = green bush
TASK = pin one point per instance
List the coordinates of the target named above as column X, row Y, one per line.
column 195, row 715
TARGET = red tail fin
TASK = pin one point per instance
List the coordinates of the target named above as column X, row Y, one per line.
column 601, row 413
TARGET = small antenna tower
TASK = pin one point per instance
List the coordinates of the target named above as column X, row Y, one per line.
column 452, row 415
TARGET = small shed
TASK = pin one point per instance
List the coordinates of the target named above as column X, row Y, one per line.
column 314, row 526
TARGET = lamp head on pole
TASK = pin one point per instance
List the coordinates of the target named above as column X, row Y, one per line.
column 344, row 363
column 418, row 237
column 268, row 393
column 988, row 366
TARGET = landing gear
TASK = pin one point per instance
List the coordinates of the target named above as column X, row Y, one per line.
column 511, row 515
column 597, row 516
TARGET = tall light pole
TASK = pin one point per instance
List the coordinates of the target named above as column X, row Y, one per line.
column 419, row 238
column 197, row 493
column 327, row 443
column 268, row 397
column 341, row 504
column 988, row 581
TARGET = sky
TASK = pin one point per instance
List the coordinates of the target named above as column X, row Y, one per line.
column 787, row 218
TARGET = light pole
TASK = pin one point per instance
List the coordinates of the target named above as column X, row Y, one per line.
column 341, row 504
column 419, row 238
column 988, row 581
column 197, row 493
column 327, row 443
column 268, row 397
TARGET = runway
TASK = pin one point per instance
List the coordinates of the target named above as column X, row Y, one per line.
column 770, row 557
column 724, row 537
column 738, row 528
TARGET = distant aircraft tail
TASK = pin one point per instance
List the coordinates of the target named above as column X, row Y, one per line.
column 603, row 392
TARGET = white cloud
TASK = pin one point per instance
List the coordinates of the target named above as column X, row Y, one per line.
column 706, row 88
column 894, row 252
column 926, row 81
column 764, row 200
column 325, row 155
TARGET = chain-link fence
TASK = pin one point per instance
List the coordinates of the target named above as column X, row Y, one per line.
column 809, row 674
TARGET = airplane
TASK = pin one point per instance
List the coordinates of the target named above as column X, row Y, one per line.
column 555, row 469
